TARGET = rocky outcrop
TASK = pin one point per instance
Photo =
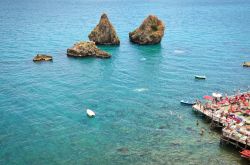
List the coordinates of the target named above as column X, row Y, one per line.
column 85, row 49
column 42, row 57
column 104, row 33
column 150, row 31
column 246, row 64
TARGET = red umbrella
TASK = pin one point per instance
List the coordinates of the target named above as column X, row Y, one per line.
column 208, row 97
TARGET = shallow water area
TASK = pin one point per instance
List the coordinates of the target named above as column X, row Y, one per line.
column 135, row 94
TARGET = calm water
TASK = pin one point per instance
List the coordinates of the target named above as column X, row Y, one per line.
column 135, row 94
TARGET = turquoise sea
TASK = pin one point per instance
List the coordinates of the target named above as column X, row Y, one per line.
column 136, row 94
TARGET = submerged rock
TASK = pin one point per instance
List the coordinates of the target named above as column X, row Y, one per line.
column 86, row 49
column 42, row 57
column 162, row 127
column 150, row 31
column 123, row 150
column 246, row 64
column 176, row 143
column 104, row 33
column 189, row 129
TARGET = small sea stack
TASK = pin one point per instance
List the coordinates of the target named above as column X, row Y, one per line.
column 86, row 49
column 150, row 31
column 246, row 64
column 104, row 33
column 42, row 57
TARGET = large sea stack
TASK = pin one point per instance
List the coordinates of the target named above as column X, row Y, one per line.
column 86, row 49
column 150, row 31
column 104, row 33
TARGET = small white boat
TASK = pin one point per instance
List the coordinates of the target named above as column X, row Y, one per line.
column 200, row 77
column 90, row 113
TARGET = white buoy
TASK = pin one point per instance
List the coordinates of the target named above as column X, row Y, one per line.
column 90, row 113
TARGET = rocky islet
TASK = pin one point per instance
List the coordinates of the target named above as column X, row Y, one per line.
column 42, row 57
column 149, row 32
column 104, row 33
column 86, row 49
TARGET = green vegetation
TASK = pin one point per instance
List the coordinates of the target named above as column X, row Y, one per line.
column 154, row 27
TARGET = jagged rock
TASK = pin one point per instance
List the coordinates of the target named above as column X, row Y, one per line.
column 42, row 57
column 246, row 64
column 150, row 31
column 104, row 33
column 87, row 48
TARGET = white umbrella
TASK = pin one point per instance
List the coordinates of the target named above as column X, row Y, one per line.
column 217, row 95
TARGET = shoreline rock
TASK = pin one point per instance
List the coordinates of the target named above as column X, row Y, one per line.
column 149, row 32
column 104, row 33
column 86, row 49
column 246, row 64
column 42, row 57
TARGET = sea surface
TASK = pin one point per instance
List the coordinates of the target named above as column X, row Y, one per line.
column 136, row 94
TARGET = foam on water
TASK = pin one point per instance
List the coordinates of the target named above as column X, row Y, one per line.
column 143, row 59
column 140, row 89
column 178, row 51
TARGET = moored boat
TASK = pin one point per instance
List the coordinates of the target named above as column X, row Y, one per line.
column 246, row 64
column 90, row 113
column 245, row 154
column 200, row 77
column 187, row 102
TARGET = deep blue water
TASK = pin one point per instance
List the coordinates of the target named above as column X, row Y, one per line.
column 135, row 94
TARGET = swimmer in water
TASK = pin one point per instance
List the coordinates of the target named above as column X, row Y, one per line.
column 202, row 131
